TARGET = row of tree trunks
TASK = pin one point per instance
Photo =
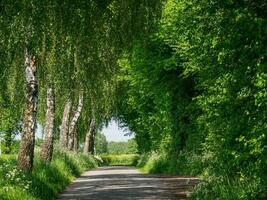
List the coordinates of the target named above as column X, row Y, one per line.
column 73, row 123
column 90, row 136
column 68, row 131
column 64, row 128
column 26, row 151
column 47, row 146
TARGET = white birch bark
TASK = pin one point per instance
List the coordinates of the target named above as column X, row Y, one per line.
column 64, row 128
column 73, row 122
column 26, row 151
column 47, row 146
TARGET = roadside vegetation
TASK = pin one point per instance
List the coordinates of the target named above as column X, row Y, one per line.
column 46, row 181
column 195, row 96
column 119, row 160
column 129, row 147
column 116, row 153
column 187, row 78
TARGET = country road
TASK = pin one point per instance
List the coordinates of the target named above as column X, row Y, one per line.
column 126, row 183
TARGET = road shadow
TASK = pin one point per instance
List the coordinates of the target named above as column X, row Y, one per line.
column 126, row 183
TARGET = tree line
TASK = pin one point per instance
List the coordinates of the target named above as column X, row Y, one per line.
column 58, row 61
column 195, row 93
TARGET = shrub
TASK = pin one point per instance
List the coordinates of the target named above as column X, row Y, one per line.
column 153, row 163
column 185, row 163
column 227, row 188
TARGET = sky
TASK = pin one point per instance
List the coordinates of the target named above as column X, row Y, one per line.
column 114, row 133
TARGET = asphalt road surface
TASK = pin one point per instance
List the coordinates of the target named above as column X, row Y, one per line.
column 127, row 183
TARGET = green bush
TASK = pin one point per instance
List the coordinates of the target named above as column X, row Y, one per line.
column 211, row 187
column 46, row 181
column 227, row 188
column 119, row 160
column 153, row 163
column 185, row 164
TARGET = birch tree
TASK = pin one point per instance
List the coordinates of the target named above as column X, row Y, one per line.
column 26, row 151
column 64, row 128
column 73, row 122
column 90, row 135
column 47, row 146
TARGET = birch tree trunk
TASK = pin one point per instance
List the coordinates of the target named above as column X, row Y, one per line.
column 26, row 151
column 73, row 122
column 90, row 136
column 92, row 142
column 76, row 139
column 47, row 146
column 64, row 128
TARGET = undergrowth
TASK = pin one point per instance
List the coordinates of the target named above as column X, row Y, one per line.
column 211, row 187
column 185, row 164
column 226, row 188
column 46, row 181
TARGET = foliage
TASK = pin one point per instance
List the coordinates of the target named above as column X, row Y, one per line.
column 189, row 78
column 75, row 51
column 13, row 182
column 46, row 181
column 119, row 160
column 101, row 145
column 128, row 147
column 227, row 188
column 185, row 163
column 194, row 92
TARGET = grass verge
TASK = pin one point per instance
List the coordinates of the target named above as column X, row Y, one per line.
column 46, row 181
column 211, row 187
column 227, row 188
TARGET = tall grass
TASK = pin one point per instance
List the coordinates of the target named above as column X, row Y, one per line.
column 46, row 181
column 210, row 187
column 226, row 188
column 184, row 164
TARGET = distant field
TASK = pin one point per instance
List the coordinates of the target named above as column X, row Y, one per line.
column 119, row 160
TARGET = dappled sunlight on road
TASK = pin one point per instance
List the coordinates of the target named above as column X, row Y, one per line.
column 123, row 183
